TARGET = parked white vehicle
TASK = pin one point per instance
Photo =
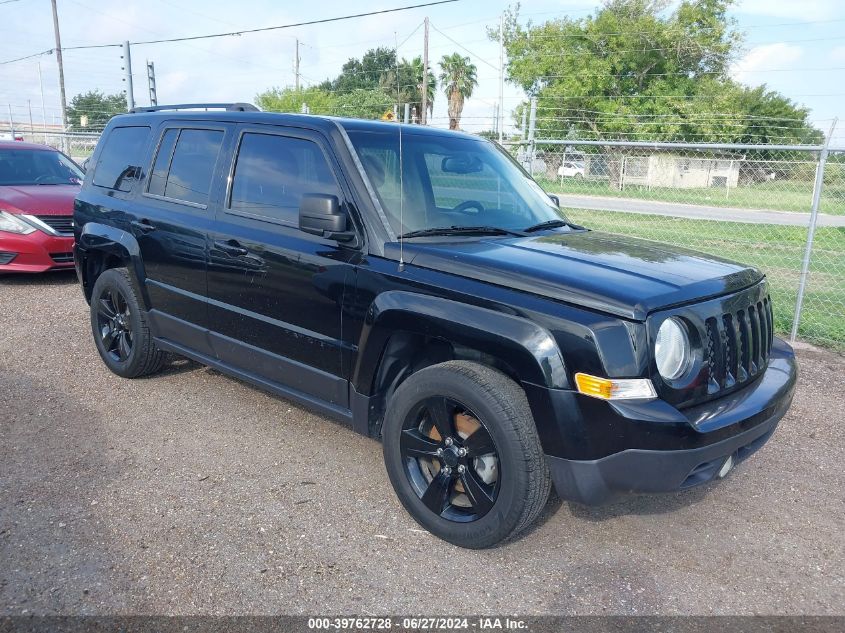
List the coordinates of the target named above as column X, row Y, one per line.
column 571, row 169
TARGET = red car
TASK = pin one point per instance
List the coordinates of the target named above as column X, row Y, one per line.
column 37, row 188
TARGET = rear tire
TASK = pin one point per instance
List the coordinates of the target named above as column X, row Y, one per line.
column 445, row 483
column 120, row 329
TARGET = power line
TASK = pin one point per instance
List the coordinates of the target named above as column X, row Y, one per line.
column 245, row 31
column 49, row 51
column 476, row 55
column 296, row 24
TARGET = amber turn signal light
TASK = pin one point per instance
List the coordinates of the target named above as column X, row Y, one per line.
column 615, row 388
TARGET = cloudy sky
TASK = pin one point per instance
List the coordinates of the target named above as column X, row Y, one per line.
column 797, row 48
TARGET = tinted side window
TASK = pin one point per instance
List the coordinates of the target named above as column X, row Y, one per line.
column 272, row 173
column 191, row 166
column 158, row 176
column 120, row 157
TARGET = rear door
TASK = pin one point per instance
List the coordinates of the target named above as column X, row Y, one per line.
column 275, row 292
column 171, row 221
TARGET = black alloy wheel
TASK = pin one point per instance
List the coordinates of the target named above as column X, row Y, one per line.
column 463, row 455
column 113, row 324
column 119, row 326
column 450, row 459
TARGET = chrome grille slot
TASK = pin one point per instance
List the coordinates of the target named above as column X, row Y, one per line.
column 755, row 339
column 713, row 358
column 770, row 320
column 729, row 341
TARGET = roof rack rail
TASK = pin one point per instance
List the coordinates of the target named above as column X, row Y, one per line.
column 232, row 107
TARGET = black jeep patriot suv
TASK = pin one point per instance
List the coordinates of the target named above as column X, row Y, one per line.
column 419, row 286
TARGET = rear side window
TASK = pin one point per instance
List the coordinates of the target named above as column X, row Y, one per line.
column 184, row 165
column 272, row 173
column 121, row 157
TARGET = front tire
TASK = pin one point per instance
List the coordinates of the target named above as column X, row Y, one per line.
column 120, row 328
column 462, row 452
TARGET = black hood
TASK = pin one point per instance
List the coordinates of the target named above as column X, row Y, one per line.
column 624, row 276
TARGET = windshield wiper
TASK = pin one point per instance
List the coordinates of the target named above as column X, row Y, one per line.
column 552, row 224
column 461, row 230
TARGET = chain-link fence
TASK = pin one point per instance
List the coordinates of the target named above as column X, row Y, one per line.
column 748, row 203
column 77, row 145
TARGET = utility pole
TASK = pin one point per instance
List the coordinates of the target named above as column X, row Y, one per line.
column 127, row 66
column 500, row 114
column 31, row 126
column 424, row 115
column 532, row 128
column 43, row 109
column 61, row 65
column 524, row 123
column 406, row 118
column 296, row 64
column 11, row 122
column 151, row 82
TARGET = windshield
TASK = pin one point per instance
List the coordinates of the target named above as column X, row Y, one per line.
column 450, row 181
column 37, row 167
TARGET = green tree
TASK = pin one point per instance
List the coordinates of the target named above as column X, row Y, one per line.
column 360, row 103
column 411, row 84
column 365, row 88
column 289, row 100
column 381, row 76
column 364, row 104
column 92, row 110
column 634, row 69
column 366, row 73
column 458, row 78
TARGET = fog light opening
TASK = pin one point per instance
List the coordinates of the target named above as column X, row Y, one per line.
column 726, row 467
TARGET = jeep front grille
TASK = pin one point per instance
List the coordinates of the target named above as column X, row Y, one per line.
column 737, row 345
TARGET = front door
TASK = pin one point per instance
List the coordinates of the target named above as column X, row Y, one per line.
column 275, row 292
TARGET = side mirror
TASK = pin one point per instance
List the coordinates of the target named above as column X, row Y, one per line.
column 320, row 214
column 555, row 199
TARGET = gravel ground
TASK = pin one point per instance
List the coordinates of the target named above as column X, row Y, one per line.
column 190, row 492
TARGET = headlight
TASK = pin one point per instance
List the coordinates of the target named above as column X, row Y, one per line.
column 672, row 349
column 13, row 224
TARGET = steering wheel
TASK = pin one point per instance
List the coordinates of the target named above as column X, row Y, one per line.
column 468, row 204
column 43, row 177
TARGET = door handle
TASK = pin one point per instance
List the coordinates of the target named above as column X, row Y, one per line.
column 145, row 226
column 231, row 247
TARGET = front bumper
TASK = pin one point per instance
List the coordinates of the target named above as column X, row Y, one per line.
column 35, row 253
column 670, row 450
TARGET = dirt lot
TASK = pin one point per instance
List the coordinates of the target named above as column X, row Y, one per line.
column 191, row 492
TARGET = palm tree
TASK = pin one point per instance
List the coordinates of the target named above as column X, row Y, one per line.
column 458, row 78
column 409, row 84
